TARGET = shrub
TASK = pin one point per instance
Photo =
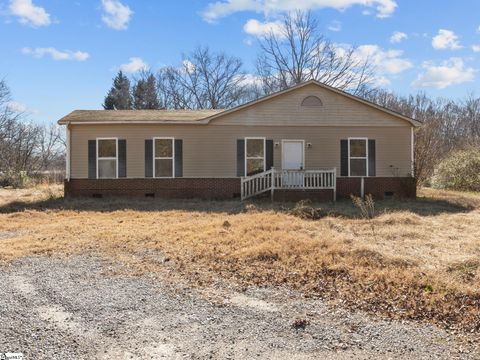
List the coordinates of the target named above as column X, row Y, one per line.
column 366, row 206
column 460, row 170
column 304, row 210
column 15, row 179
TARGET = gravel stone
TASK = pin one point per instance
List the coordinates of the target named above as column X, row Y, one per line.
column 73, row 308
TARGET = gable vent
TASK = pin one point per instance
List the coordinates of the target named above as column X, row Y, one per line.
column 312, row 101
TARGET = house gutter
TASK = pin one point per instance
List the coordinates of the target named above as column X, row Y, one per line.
column 154, row 122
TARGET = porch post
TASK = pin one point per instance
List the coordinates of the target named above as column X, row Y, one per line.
column 334, row 184
column 272, row 187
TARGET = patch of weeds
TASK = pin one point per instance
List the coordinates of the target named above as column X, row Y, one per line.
column 267, row 256
column 251, row 208
column 366, row 206
column 304, row 210
column 226, row 224
column 300, row 323
column 428, row 288
column 467, row 270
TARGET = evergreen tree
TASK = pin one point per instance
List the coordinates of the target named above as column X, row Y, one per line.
column 119, row 97
column 138, row 94
column 151, row 97
column 145, row 93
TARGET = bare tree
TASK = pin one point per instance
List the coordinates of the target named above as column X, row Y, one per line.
column 51, row 152
column 25, row 147
column 205, row 80
column 299, row 53
column 471, row 119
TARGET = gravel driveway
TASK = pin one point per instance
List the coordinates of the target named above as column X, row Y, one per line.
column 72, row 308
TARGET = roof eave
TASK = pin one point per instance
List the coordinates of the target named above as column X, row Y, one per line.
column 123, row 122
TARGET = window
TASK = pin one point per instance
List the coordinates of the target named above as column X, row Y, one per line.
column 107, row 158
column 163, row 155
column 358, row 156
column 254, row 155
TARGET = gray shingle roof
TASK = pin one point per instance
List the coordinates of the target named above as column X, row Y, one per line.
column 136, row 116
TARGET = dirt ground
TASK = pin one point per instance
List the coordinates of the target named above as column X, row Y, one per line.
column 78, row 307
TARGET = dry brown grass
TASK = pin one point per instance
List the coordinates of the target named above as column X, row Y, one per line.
column 415, row 259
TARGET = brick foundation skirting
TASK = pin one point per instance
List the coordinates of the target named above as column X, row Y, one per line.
column 325, row 195
column 203, row 188
column 379, row 187
column 227, row 188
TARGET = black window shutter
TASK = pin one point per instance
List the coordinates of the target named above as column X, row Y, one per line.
column 178, row 157
column 372, row 171
column 240, row 157
column 122, row 158
column 343, row 157
column 148, row 158
column 92, row 159
column 268, row 154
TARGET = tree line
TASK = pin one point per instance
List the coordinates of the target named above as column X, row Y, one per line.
column 448, row 125
column 26, row 148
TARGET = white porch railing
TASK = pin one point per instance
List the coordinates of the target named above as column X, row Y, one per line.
column 289, row 180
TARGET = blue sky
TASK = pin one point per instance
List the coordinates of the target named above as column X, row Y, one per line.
column 59, row 55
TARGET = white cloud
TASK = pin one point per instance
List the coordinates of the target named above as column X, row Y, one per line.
column 450, row 72
column 251, row 80
column 397, row 37
column 188, row 66
column 335, row 26
column 29, row 14
column 219, row 9
column 136, row 64
column 445, row 39
column 17, row 107
column 116, row 15
column 56, row 54
column 387, row 62
column 257, row 28
column 476, row 48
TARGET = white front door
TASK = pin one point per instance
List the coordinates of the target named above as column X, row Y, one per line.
column 292, row 155
column 293, row 159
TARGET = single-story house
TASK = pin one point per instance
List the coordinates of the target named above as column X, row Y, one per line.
column 309, row 141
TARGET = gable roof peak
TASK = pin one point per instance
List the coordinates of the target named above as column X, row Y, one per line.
column 412, row 122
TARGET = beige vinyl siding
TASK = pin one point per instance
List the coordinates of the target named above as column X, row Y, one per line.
column 210, row 151
column 286, row 110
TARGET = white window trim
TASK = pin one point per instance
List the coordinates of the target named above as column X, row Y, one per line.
column 253, row 158
column 108, row 158
column 358, row 157
column 164, row 157
column 303, row 151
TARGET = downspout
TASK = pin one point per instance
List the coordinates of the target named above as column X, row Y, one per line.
column 412, row 141
column 67, row 155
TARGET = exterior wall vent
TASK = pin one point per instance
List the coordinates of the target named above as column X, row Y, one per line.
column 312, row 101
